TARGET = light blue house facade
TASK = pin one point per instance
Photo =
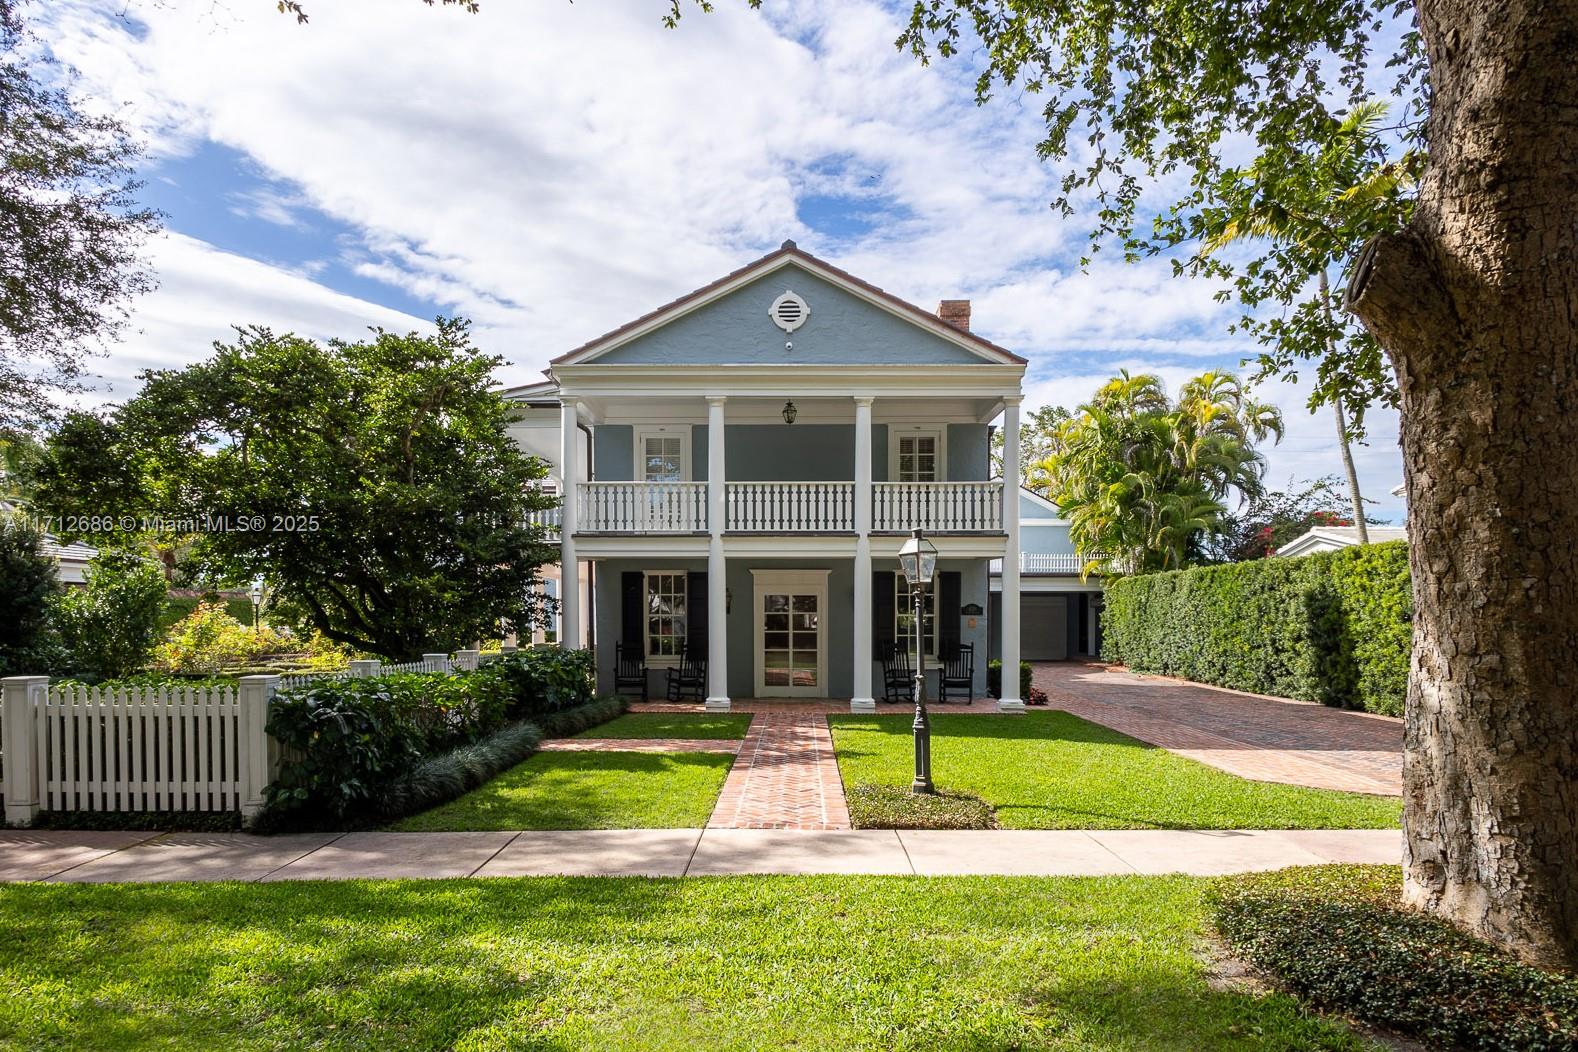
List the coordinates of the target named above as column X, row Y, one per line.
column 759, row 450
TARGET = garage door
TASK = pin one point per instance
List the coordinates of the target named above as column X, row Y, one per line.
column 1043, row 627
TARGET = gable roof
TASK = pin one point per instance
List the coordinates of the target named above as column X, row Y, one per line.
column 1325, row 538
column 1026, row 493
column 788, row 252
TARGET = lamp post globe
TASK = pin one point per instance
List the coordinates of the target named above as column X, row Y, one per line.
column 918, row 561
column 257, row 602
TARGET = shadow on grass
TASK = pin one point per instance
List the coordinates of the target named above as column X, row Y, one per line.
column 588, row 790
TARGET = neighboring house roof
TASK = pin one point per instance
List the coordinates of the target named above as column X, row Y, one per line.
column 789, row 252
column 1400, row 489
column 1330, row 538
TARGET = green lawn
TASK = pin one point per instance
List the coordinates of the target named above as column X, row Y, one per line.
column 589, row 790
column 1051, row 770
column 670, row 725
column 761, row 963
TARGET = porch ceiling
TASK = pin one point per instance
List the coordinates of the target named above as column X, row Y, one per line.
column 812, row 408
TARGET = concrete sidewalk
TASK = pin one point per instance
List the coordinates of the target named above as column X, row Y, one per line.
column 103, row 857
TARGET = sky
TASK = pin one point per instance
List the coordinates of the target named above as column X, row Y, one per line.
column 551, row 170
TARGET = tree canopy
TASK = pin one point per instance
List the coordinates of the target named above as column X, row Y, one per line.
column 71, row 232
column 373, row 484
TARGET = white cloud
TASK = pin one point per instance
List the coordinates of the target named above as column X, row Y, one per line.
column 203, row 292
column 553, row 170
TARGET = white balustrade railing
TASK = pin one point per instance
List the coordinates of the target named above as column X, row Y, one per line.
column 790, row 507
column 939, row 507
column 1061, row 563
column 641, row 507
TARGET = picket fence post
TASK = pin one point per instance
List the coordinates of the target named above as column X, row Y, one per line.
column 21, row 698
column 435, row 662
column 257, row 764
column 365, row 669
column 468, row 659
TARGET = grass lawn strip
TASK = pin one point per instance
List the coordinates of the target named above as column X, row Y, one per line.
column 748, row 963
column 671, row 725
column 1051, row 770
column 589, row 790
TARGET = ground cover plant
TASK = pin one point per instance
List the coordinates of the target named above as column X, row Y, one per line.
column 747, row 963
column 672, row 725
column 1051, row 770
column 589, row 790
column 874, row 806
column 1339, row 937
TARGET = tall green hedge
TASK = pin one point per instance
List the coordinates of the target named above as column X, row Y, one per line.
column 1333, row 627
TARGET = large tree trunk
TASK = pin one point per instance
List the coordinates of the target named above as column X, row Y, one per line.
column 1477, row 304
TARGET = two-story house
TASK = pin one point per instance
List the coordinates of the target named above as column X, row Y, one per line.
column 760, row 449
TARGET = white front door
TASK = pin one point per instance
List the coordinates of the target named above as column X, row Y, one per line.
column 790, row 612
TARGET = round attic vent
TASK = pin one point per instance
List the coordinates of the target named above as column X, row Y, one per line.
column 789, row 312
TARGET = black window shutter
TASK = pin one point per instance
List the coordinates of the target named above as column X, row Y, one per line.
column 882, row 611
column 632, row 609
column 696, row 611
column 947, row 612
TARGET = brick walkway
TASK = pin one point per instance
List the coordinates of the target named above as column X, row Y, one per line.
column 640, row 745
column 785, row 777
column 1267, row 739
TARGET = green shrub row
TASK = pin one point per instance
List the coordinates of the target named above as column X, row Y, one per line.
column 346, row 742
column 1339, row 937
column 1334, row 627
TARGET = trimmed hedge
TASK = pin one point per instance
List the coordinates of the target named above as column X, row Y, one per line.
column 1340, row 937
column 1334, row 627
column 348, row 742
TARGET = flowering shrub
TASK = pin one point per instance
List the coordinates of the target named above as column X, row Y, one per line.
column 209, row 639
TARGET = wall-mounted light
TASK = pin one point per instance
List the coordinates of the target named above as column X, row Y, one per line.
column 790, row 412
column 728, row 600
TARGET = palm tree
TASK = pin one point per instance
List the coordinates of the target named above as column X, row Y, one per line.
column 1145, row 480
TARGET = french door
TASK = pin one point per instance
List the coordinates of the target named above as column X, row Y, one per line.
column 790, row 612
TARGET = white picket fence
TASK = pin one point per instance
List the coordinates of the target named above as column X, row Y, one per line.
column 166, row 748
column 75, row 748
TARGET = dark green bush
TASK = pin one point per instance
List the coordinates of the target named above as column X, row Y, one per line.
column 547, row 679
column 568, row 722
column 344, row 741
column 1333, row 627
column 994, row 679
column 895, row 807
column 1339, row 937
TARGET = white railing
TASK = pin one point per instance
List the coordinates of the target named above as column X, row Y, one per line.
column 942, row 507
column 790, row 507
column 641, row 507
column 548, row 519
column 305, row 679
column 1038, row 562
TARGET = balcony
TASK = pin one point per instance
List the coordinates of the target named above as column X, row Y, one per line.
column 788, row 507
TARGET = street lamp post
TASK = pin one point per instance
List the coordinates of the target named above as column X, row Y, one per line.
column 257, row 601
column 918, row 560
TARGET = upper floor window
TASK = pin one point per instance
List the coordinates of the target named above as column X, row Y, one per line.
column 918, row 457
column 663, row 455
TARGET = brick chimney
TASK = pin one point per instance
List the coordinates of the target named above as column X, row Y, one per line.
column 955, row 313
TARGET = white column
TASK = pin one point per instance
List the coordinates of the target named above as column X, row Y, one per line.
column 436, row 662
column 863, row 700
column 569, row 569
column 255, row 694
column 20, row 699
column 717, row 565
column 1011, row 701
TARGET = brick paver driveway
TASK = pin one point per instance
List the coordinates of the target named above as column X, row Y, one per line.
column 1267, row 739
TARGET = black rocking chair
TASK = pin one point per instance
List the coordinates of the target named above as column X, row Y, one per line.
column 689, row 677
column 898, row 675
column 630, row 669
column 958, row 674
